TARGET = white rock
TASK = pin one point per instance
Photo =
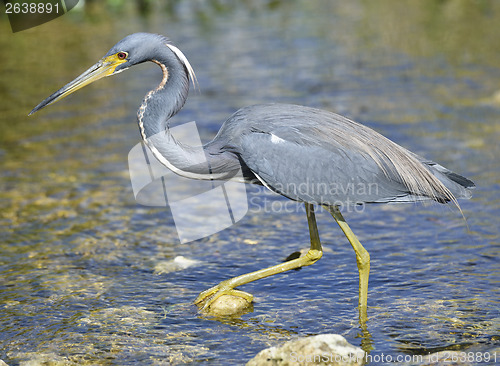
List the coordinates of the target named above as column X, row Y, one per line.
column 323, row 349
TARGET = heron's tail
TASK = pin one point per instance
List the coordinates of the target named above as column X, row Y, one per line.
column 458, row 185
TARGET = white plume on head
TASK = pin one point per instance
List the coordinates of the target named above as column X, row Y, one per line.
column 186, row 63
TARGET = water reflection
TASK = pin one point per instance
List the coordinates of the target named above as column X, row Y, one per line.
column 78, row 256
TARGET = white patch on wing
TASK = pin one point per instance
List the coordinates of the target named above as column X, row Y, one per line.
column 276, row 140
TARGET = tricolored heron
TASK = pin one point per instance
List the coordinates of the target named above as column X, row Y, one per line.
column 292, row 150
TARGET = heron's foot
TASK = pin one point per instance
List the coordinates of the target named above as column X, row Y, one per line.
column 223, row 300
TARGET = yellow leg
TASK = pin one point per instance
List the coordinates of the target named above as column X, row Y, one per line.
column 207, row 297
column 362, row 259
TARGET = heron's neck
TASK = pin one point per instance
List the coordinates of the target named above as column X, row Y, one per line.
column 158, row 106
column 163, row 102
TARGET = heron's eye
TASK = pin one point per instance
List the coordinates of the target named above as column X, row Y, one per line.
column 122, row 55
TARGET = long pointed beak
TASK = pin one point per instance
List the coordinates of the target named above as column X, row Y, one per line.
column 103, row 68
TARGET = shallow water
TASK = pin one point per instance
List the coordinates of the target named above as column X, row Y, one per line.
column 87, row 275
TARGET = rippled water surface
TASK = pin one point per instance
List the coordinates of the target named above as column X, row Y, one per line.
column 87, row 276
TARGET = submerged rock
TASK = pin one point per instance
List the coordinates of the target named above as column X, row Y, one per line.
column 177, row 264
column 323, row 349
column 230, row 305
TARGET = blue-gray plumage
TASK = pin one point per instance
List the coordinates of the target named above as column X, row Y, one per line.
column 305, row 154
column 316, row 156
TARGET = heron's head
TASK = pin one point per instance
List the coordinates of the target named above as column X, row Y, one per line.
column 131, row 50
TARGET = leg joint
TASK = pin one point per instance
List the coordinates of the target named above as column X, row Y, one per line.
column 363, row 258
column 314, row 255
